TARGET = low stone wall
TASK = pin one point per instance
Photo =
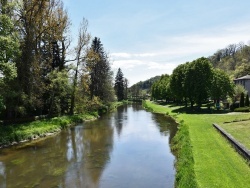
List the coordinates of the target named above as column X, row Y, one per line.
column 238, row 146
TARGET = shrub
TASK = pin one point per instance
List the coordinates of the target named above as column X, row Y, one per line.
column 242, row 109
column 247, row 100
column 242, row 96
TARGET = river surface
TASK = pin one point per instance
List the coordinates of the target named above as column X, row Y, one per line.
column 127, row 148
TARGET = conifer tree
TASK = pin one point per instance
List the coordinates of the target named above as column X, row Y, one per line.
column 100, row 72
column 247, row 101
column 242, row 100
column 119, row 85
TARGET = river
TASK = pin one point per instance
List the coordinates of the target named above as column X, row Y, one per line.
column 126, row 148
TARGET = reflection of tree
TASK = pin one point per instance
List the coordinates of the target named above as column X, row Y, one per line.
column 137, row 106
column 98, row 143
column 120, row 118
column 166, row 125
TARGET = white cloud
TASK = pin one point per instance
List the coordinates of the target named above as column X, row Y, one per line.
column 121, row 54
column 127, row 64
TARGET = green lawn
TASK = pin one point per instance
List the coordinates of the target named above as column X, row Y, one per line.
column 239, row 130
column 216, row 164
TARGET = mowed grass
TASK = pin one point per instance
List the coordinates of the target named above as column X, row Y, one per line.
column 216, row 163
column 240, row 131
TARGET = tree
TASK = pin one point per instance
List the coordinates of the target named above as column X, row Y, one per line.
column 160, row 89
column 221, row 86
column 119, row 85
column 177, row 81
column 126, row 83
column 201, row 78
column 100, row 72
column 9, row 53
column 242, row 96
column 238, row 89
column 247, row 101
column 42, row 26
column 80, row 51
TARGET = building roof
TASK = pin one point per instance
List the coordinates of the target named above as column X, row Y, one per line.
column 247, row 77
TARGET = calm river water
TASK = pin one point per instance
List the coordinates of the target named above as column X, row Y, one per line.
column 127, row 148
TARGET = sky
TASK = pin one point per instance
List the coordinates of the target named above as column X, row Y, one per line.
column 146, row 38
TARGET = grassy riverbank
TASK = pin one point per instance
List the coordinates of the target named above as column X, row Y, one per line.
column 205, row 158
column 13, row 134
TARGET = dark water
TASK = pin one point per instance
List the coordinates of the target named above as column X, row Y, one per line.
column 127, row 148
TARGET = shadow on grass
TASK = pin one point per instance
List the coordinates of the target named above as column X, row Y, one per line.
column 194, row 110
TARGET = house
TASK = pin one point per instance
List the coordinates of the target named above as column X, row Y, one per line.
column 245, row 81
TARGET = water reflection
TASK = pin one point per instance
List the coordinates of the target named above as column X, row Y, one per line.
column 128, row 148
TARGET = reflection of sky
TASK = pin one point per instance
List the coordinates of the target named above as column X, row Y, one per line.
column 2, row 175
column 142, row 156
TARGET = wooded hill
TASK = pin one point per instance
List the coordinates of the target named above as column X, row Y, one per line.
column 143, row 87
column 234, row 60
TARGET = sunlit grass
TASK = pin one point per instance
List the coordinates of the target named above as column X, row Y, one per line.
column 240, row 131
column 216, row 163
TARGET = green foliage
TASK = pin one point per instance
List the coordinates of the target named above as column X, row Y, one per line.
column 238, row 90
column 145, row 86
column 160, row 89
column 177, row 82
column 242, row 101
column 100, row 72
column 221, row 85
column 233, row 59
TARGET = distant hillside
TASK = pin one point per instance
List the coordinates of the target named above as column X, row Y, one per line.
column 234, row 59
column 143, row 87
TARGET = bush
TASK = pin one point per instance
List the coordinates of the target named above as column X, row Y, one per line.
column 247, row 100
column 242, row 109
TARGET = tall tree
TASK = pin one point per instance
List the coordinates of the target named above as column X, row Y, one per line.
column 242, row 100
column 177, row 81
column 126, row 83
column 119, row 85
column 80, row 51
column 9, row 52
column 247, row 100
column 100, row 72
column 221, row 86
column 201, row 79
column 43, row 27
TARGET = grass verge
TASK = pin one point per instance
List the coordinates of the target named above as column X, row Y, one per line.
column 204, row 157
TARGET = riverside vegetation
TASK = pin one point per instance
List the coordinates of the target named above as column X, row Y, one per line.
column 204, row 157
column 16, row 133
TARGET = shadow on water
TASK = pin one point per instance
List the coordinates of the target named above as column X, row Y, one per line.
column 127, row 148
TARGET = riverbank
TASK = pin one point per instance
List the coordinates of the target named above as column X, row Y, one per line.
column 14, row 134
column 204, row 157
column 18, row 133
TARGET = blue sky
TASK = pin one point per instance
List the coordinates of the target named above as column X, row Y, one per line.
column 146, row 38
